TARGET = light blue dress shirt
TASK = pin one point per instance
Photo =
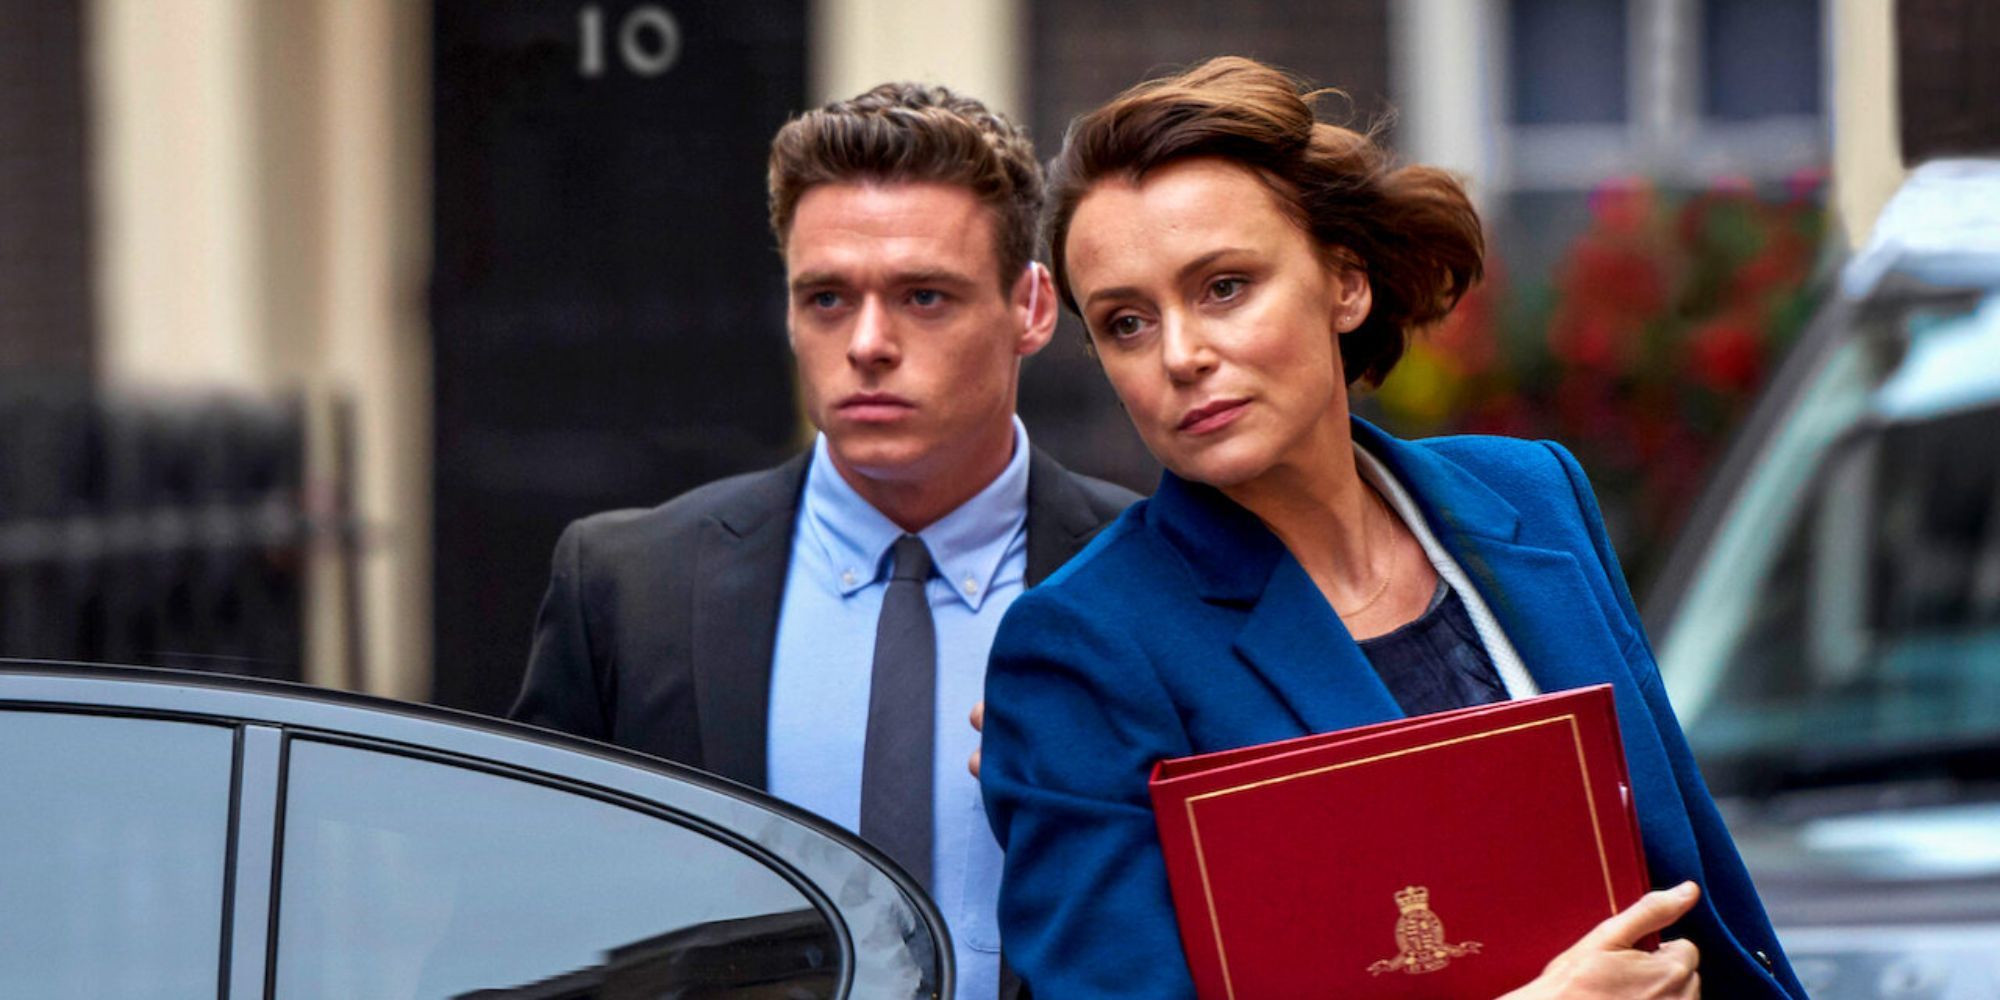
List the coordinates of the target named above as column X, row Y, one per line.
column 825, row 655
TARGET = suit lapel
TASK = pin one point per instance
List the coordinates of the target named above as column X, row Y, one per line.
column 741, row 564
column 740, row 568
column 1059, row 517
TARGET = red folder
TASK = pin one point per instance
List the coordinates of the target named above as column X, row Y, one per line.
column 1447, row 855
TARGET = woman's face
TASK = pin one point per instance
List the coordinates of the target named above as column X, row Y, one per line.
column 1215, row 317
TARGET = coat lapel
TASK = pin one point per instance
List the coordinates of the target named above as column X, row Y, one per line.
column 1299, row 646
column 1554, row 619
column 741, row 564
column 1540, row 596
column 1549, row 612
column 1290, row 636
column 740, row 567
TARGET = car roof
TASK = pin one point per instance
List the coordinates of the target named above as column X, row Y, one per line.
column 1953, row 365
column 1942, row 228
column 255, row 700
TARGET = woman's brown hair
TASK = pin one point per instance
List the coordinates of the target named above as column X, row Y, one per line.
column 1411, row 229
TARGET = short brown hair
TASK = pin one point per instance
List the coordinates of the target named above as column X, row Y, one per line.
column 1411, row 229
column 901, row 132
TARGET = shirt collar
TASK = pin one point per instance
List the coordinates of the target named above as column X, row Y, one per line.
column 968, row 546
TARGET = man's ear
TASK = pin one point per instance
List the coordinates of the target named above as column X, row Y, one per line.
column 1034, row 304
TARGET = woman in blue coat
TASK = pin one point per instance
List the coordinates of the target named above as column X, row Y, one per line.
column 1238, row 265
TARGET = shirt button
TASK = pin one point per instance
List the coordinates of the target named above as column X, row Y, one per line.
column 971, row 585
column 847, row 578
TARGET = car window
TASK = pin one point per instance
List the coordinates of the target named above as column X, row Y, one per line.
column 1848, row 611
column 111, row 855
column 1729, row 583
column 1878, row 624
column 410, row 878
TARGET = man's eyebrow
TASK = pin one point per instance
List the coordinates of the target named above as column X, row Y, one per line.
column 900, row 279
column 1197, row 264
column 816, row 279
column 932, row 276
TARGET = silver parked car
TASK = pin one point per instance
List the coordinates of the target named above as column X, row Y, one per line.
column 1830, row 627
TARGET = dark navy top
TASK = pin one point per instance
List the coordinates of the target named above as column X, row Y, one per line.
column 1436, row 662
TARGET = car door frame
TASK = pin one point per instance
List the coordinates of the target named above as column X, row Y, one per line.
column 267, row 717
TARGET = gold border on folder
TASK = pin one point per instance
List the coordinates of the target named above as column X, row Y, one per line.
column 1583, row 771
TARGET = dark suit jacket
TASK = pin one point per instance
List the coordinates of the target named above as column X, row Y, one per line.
column 657, row 629
column 1187, row 627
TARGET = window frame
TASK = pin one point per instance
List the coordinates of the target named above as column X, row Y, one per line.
column 1666, row 135
column 221, row 940
column 682, row 819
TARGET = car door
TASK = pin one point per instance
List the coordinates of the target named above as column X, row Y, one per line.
column 182, row 835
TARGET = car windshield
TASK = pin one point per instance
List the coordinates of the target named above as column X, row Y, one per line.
column 1847, row 620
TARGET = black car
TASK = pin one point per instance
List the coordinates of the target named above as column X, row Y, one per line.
column 179, row 835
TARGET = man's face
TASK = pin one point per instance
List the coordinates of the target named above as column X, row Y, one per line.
column 908, row 347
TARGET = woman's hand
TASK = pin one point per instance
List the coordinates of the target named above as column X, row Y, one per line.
column 1606, row 962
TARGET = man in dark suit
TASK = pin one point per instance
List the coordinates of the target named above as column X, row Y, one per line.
column 820, row 629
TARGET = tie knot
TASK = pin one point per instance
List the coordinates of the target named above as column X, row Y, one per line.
column 913, row 560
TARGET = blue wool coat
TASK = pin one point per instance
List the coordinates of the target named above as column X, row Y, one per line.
column 1187, row 627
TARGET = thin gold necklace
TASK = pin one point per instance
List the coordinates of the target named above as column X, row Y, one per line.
column 1372, row 598
column 1387, row 575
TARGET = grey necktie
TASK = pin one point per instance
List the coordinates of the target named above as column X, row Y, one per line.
column 902, row 718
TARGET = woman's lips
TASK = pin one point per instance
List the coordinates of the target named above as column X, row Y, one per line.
column 875, row 407
column 1210, row 417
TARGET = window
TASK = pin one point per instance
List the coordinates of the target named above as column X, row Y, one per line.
column 1567, row 61
column 408, row 878
column 1760, row 58
column 111, row 855
column 1681, row 91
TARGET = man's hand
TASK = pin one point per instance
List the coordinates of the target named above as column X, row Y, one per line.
column 979, row 725
column 1606, row 963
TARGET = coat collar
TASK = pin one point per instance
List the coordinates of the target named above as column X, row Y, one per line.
column 1454, row 502
column 1544, row 599
column 1540, row 597
column 1232, row 554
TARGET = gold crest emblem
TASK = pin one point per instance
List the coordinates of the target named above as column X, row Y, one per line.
column 1420, row 942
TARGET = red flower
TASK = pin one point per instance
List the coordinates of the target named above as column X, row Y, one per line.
column 1780, row 266
column 1622, row 204
column 1726, row 354
column 1612, row 277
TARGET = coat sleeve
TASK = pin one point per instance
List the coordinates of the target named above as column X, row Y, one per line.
column 1726, row 881
column 563, row 689
column 1075, row 719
